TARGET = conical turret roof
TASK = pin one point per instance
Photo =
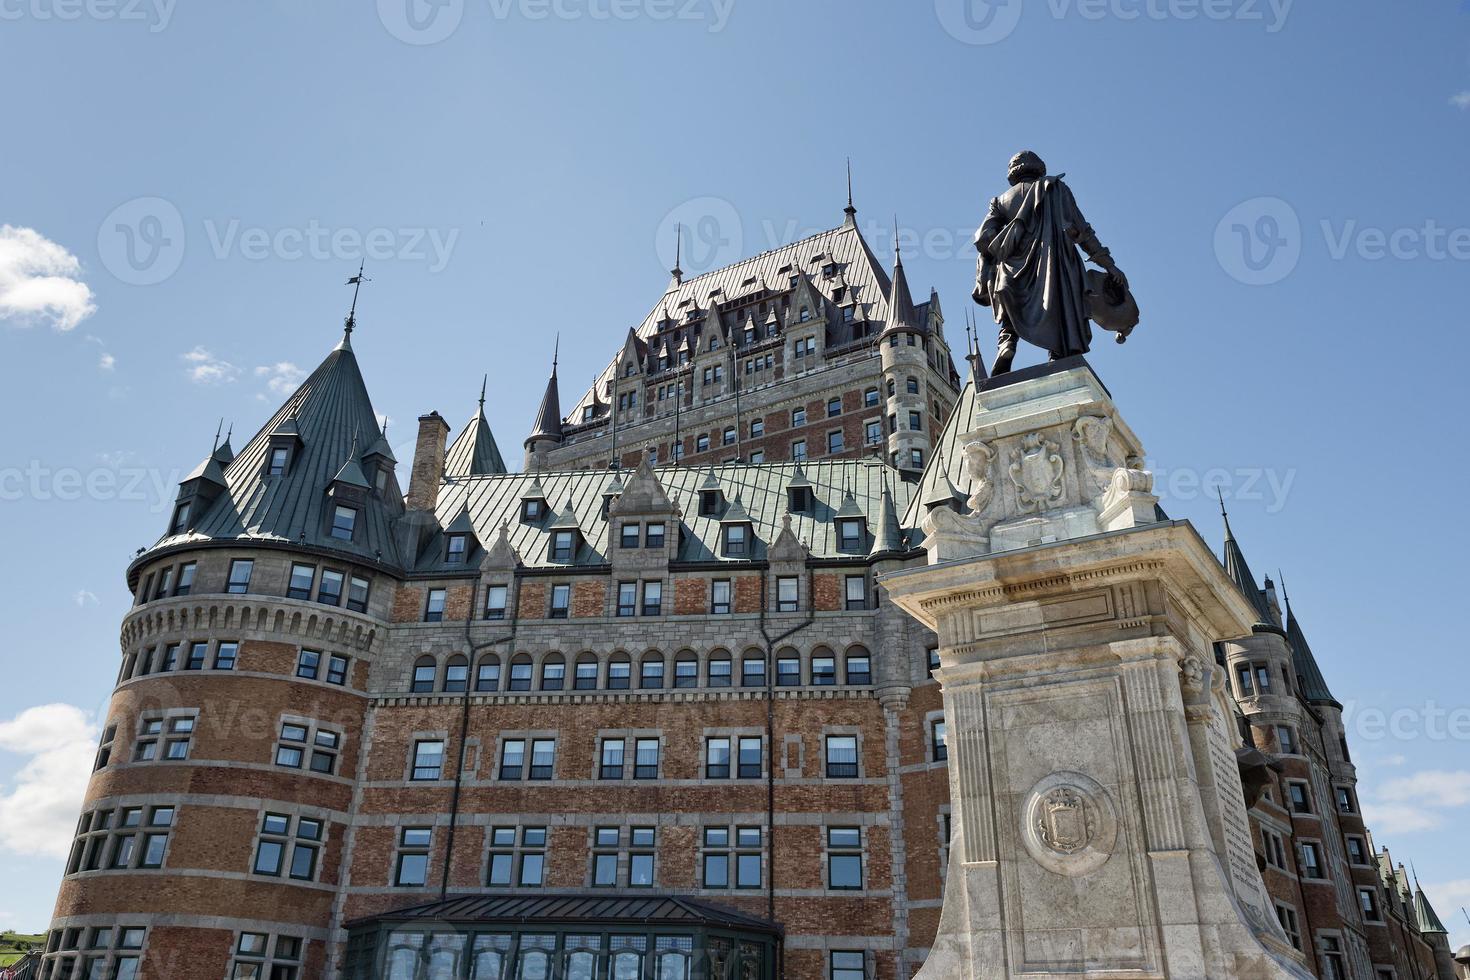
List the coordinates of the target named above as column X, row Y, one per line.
column 474, row 452
column 887, row 538
column 1428, row 919
column 901, row 312
column 1240, row 574
column 1313, row 684
column 548, row 416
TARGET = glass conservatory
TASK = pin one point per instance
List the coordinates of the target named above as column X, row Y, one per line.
column 563, row 937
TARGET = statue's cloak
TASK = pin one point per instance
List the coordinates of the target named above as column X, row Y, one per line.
column 1029, row 270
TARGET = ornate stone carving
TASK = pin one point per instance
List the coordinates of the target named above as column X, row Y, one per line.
column 1192, row 678
column 979, row 461
column 1036, row 470
column 1091, row 433
column 1068, row 824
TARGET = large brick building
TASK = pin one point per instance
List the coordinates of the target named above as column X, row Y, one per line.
column 652, row 721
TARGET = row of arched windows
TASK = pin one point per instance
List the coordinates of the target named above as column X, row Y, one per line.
column 652, row 671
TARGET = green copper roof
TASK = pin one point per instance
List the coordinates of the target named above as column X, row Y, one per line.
column 474, row 452
column 1313, row 684
column 1424, row 912
column 1240, row 573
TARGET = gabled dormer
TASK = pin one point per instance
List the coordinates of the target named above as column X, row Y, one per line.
column 566, row 537
column 378, row 464
column 610, row 494
column 799, row 498
column 850, row 526
column 711, row 496
column 533, row 504
column 282, row 447
column 460, row 543
column 737, row 533
column 197, row 492
column 346, row 496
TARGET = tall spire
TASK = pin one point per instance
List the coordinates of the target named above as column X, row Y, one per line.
column 676, row 274
column 347, row 326
column 548, row 416
column 483, row 383
column 1239, row 571
column 850, row 211
column 901, row 314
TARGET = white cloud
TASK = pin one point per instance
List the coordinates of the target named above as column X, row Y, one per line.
column 85, row 598
column 1399, row 818
column 281, row 378
column 107, row 362
column 203, row 368
column 1418, row 802
column 38, row 812
column 1461, row 101
column 39, row 281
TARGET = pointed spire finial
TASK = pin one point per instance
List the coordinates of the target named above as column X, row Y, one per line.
column 217, row 429
column 229, row 432
column 678, row 251
column 555, row 351
column 356, row 283
column 850, row 211
column 897, row 250
column 1224, row 514
column 483, row 383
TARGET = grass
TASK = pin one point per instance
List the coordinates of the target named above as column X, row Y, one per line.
column 10, row 943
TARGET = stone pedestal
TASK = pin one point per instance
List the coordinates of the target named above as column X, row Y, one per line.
column 1099, row 824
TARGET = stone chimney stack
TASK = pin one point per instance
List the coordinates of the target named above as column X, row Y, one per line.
column 428, row 462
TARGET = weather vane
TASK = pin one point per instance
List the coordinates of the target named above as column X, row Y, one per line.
column 356, row 283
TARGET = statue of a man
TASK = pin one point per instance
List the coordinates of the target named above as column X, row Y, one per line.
column 1030, row 273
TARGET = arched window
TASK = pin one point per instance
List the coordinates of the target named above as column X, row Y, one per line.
column 424, row 670
column 788, row 667
column 619, row 672
column 859, row 665
column 753, row 668
column 891, row 388
column 487, row 674
column 686, row 669
column 824, row 667
column 719, row 668
column 553, row 672
column 586, row 676
column 457, row 673
column 520, row 672
column 651, row 671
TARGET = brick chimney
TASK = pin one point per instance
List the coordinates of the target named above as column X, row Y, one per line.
column 428, row 462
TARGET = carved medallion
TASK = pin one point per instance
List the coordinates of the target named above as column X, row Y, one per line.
column 1036, row 470
column 1068, row 824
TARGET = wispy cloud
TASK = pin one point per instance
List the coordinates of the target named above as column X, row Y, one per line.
column 84, row 597
column 40, row 282
column 203, row 368
column 1423, row 801
column 1461, row 101
column 38, row 812
column 281, row 378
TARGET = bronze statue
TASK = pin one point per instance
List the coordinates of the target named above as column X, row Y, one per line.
column 1030, row 274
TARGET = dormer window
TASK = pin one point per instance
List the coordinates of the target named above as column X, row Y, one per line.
column 848, row 314
column 587, row 413
column 344, row 522
column 710, row 502
column 737, row 541
column 181, row 519
column 629, row 369
column 280, row 457
column 804, row 315
column 750, row 335
column 455, row 547
column 850, row 534
column 380, row 479
column 799, row 499
column 829, row 270
column 563, row 545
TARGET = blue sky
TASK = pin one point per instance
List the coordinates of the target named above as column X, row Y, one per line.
column 185, row 189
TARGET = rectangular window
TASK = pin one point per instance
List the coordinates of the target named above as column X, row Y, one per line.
column 495, row 596
column 561, row 598
column 532, row 857
column 165, row 583
column 736, row 540
column 1311, row 860
column 720, row 596
column 428, row 759
column 543, row 758
column 1357, row 850
column 186, row 579
column 716, row 857
column 798, row 417
column 605, row 862
column 1287, row 916
column 645, row 759
column 872, row 432
column 512, row 758
column 719, row 672
column 288, row 846
column 611, row 766
column 337, row 669
column 584, row 677
column 651, row 674
column 786, row 594
column 916, row 458
column 788, row 672
column 1243, row 682
column 653, row 598
column 344, row 522
column 859, row 668
column 717, row 758
column 824, row 671
column 225, row 653
column 627, row 598
column 941, row 745
column 1368, row 901
column 686, row 673
column 842, row 757
column 753, row 671
column 180, row 523
column 563, row 545
column 239, row 581
column 434, row 606
column 834, row 407
column 1301, row 800
column 834, row 442
column 308, row 664
column 1345, row 801
column 757, row 428
column 329, row 591
column 302, row 577
column 455, row 546
column 640, row 861
column 844, row 858
column 630, row 535
column 856, row 588
column 653, row 535
column 487, row 675
column 749, row 757
column 1275, row 854
column 620, row 674
column 847, row 964
column 357, row 594
column 1286, row 739
column 412, row 868
column 170, row 657
column 757, row 456
column 279, row 456
column 197, row 654
column 798, row 450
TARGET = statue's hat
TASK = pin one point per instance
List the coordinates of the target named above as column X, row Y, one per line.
column 1110, row 304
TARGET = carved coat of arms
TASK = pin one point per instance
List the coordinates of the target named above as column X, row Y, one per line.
column 1036, row 470
column 1063, row 822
